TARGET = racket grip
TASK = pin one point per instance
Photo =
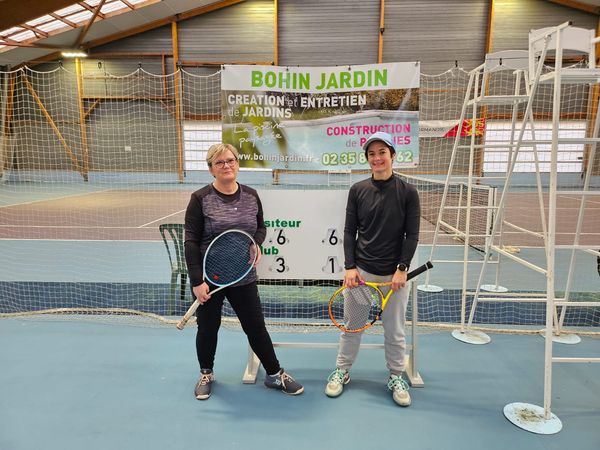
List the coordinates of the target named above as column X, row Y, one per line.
column 188, row 315
column 419, row 270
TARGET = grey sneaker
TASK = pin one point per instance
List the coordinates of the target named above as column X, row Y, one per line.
column 399, row 388
column 202, row 390
column 284, row 382
column 336, row 382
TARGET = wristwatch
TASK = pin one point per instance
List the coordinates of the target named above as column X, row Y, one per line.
column 402, row 267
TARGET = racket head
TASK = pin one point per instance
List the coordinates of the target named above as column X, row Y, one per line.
column 355, row 309
column 229, row 258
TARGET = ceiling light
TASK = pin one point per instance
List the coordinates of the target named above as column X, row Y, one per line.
column 74, row 54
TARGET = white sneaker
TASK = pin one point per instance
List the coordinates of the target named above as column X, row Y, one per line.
column 399, row 388
column 336, row 382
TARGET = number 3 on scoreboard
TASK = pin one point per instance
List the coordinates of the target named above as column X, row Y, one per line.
column 279, row 265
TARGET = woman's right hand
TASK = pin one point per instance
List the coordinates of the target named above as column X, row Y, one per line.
column 202, row 292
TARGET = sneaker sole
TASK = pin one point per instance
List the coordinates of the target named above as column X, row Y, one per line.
column 341, row 390
column 403, row 405
column 333, row 395
column 298, row 392
column 202, row 397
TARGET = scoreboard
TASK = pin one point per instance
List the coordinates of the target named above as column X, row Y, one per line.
column 305, row 230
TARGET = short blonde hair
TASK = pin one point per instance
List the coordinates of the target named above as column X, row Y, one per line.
column 217, row 150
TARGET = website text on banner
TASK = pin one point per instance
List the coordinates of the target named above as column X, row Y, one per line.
column 317, row 118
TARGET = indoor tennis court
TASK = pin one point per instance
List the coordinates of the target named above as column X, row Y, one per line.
column 493, row 110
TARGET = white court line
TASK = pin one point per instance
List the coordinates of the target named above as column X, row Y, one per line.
column 74, row 227
column 158, row 220
column 55, row 198
column 588, row 200
column 80, row 240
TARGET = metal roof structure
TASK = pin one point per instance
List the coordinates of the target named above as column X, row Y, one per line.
column 31, row 30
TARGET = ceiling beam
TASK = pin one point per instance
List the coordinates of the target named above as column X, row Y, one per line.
column 12, row 43
column 581, row 6
column 37, row 31
column 87, row 26
column 63, row 20
column 161, row 22
column 114, row 37
column 92, row 9
column 17, row 12
column 50, row 57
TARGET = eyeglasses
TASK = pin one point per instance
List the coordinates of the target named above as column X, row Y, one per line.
column 221, row 163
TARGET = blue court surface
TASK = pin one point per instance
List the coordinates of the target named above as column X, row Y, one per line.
column 85, row 385
column 91, row 385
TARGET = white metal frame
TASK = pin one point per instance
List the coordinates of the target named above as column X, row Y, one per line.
column 515, row 61
column 531, row 417
column 412, row 372
column 498, row 294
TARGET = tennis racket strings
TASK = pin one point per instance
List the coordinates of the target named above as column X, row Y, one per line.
column 355, row 308
column 361, row 305
column 229, row 258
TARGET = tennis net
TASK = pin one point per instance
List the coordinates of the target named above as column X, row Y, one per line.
column 453, row 221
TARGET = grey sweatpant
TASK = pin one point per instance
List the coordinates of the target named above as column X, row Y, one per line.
column 394, row 322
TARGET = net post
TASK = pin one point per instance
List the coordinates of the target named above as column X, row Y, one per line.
column 410, row 360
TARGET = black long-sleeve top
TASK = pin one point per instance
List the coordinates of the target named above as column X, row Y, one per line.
column 382, row 225
column 209, row 213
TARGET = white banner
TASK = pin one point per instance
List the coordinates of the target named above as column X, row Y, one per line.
column 320, row 79
column 318, row 118
column 436, row 128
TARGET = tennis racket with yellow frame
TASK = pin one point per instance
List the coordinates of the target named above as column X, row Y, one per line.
column 358, row 308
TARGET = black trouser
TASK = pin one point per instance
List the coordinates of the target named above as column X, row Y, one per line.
column 245, row 301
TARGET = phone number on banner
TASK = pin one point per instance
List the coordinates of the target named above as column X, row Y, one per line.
column 351, row 158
